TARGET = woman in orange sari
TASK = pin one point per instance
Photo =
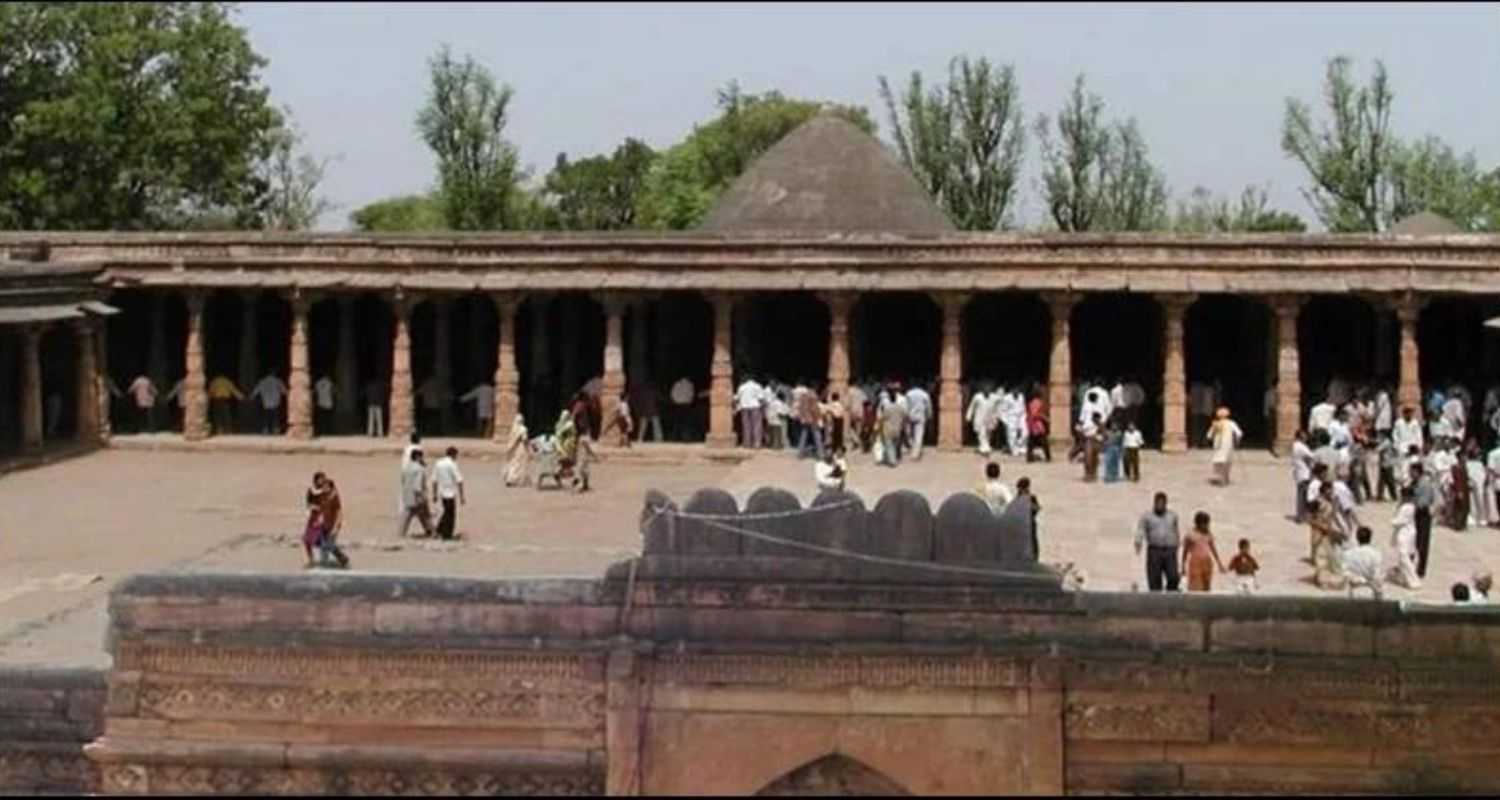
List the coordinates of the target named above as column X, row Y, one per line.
column 1200, row 556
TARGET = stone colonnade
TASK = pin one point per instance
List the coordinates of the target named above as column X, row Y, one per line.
column 92, row 399
column 1061, row 305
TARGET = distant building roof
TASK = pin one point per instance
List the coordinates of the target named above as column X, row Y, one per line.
column 1425, row 223
column 827, row 176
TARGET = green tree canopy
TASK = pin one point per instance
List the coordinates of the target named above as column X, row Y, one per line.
column 1098, row 176
column 464, row 124
column 409, row 213
column 964, row 142
column 599, row 192
column 1204, row 213
column 1349, row 160
column 130, row 116
column 684, row 181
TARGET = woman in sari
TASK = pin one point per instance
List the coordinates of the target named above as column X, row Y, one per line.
column 517, row 470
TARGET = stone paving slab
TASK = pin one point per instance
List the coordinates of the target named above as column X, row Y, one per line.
column 125, row 510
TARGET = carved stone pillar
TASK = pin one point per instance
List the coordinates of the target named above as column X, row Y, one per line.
column 31, row 387
column 721, row 374
column 346, row 401
column 950, row 395
column 1174, row 434
column 249, row 366
column 1409, row 392
column 1288, row 370
column 507, row 377
column 1060, row 372
column 101, row 393
column 88, row 382
column 156, row 360
column 299, row 402
column 195, row 383
column 839, row 306
column 402, row 412
column 614, row 353
column 442, row 357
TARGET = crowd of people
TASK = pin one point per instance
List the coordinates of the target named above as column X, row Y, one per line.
column 887, row 419
column 1355, row 452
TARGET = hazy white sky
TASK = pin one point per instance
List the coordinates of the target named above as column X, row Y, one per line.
column 1207, row 83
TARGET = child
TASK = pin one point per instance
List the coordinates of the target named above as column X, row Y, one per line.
column 1113, row 444
column 1132, row 442
column 312, row 532
column 1244, row 567
column 994, row 491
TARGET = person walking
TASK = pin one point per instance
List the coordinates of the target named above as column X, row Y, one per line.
column 1157, row 533
column 1200, row 556
column 518, row 451
column 483, row 398
column 1224, row 435
column 918, row 410
column 1133, row 441
column 324, row 394
column 1424, row 497
column 448, row 486
column 143, row 391
column 414, row 495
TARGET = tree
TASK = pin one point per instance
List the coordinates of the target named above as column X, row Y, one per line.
column 129, row 116
column 1428, row 176
column 964, row 143
column 408, row 213
column 464, row 124
column 1097, row 176
column 682, row 184
column 1205, row 214
column 1349, row 161
column 600, row 192
column 292, row 201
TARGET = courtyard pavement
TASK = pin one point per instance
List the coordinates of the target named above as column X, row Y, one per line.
column 69, row 531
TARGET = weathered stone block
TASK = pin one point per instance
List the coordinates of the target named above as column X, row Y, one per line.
column 901, row 527
column 966, row 530
column 768, row 501
column 1136, row 717
column 1291, row 636
column 706, row 536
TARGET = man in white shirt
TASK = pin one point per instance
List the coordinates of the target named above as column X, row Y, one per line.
column 776, row 411
column 995, row 493
column 408, row 454
column 682, row 397
column 978, row 409
column 1407, row 432
column 448, row 485
column 1117, row 398
column 918, row 411
column 1384, row 416
column 1362, row 564
column 1454, row 415
column 1320, row 415
column 271, row 390
column 747, row 401
column 1302, row 463
column 180, row 396
column 414, row 493
column 1014, row 417
column 483, row 398
column 323, row 395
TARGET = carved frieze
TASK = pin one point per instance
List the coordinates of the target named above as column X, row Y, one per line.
column 812, row 672
column 220, row 779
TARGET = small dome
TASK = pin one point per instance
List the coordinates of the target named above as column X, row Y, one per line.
column 1425, row 224
column 827, row 176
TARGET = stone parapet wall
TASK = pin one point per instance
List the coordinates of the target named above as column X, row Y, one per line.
column 660, row 683
column 46, row 718
column 746, row 262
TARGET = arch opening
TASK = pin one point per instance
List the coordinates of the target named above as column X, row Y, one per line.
column 833, row 775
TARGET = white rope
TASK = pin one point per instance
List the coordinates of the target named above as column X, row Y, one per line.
column 712, row 521
column 761, row 515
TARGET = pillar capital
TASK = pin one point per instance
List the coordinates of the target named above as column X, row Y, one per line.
column 950, row 302
column 402, row 301
column 507, row 302
column 1287, row 305
column 1061, row 302
column 1408, row 306
column 301, row 300
column 839, row 301
column 614, row 302
column 1176, row 303
column 196, row 299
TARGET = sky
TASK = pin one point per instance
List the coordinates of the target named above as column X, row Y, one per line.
column 1206, row 83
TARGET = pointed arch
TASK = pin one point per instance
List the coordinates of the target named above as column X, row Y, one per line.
column 833, row 775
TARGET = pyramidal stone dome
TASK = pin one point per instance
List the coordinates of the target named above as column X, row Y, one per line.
column 1425, row 224
column 827, row 176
